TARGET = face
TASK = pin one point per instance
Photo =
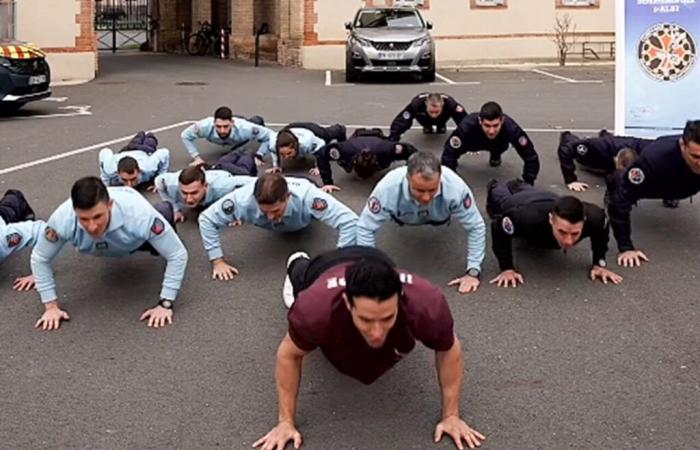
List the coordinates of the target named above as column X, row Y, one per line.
column 433, row 109
column 193, row 194
column 423, row 189
column 130, row 179
column 566, row 233
column 491, row 127
column 691, row 155
column 275, row 211
column 96, row 219
column 223, row 127
column 287, row 152
column 374, row 319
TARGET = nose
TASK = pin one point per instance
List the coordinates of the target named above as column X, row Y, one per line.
column 271, row 216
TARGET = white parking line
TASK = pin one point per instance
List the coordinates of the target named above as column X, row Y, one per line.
column 454, row 83
column 562, row 79
column 580, row 82
column 328, row 78
column 78, row 151
column 444, row 78
column 54, row 99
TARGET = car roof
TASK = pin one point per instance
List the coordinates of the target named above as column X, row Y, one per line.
column 396, row 8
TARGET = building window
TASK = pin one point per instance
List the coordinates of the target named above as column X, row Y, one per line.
column 488, row 4
column 7, row 19
column 577, row 4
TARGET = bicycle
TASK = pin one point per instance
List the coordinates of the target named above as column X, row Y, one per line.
column 205, row 40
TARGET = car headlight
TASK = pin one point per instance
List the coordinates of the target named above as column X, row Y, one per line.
column 422, row 41
column 362, row 42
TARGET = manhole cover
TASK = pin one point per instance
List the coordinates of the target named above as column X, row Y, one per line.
column 191, row 83
column 111, row 82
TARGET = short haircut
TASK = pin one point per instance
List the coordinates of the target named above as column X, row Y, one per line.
column 691, row 132
column 626, row 157
column 192, row 174
column 570, row 209
column 223, row 113
column 87, row 192
column 270, row 189
column 372, row 278
column 435, row 99
column 127, row 164
column 365, row 164
column 490, row 111
column 424, row 163
column 286, row 138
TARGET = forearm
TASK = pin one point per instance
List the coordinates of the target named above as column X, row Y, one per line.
column 450, row 369
column 288, row 376
column 190, row 147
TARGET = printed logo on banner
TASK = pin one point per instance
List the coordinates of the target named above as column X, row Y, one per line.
column 667, row 52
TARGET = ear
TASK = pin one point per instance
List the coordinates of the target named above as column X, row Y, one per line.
column 551, row 219
column 110, row 203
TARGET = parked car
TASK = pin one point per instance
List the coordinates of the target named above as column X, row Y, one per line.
column 389, row 39
column 24, row 74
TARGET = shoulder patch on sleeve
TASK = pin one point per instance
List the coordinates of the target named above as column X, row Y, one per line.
column 158, row 227
column 581, row 149
column 636, row 175
column 374, row 205
column 406, row 115
column 507, row 225
column 467, row 202
column 455, row 142
column 227, row 207
column 13, row 239
column 459, row 108
column 319, row 204
column 522, row 140
column 334, row 153
column 50, row 234
column 255, row 131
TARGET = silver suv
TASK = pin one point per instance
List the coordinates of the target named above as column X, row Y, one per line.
column 389, row 39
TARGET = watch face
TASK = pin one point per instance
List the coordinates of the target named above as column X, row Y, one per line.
column 167, row 304
column 473, row 273
column 602, row 263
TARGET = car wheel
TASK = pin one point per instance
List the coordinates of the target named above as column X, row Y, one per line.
column 429, row 76
column 351, row 75
column 10, row 108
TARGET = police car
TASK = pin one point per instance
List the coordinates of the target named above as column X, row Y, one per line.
column 24, row 74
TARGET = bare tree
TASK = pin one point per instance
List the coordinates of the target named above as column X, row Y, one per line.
column 564, row 36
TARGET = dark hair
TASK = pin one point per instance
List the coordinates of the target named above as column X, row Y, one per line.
column 223, row 113
column 127, row 164
column 286, row 138
column 691, row 132
column 626, row 157
column 270, row 189
column 490, row 111
column 88, row 192
column 192, row 174
column 373, row 278
column 365, row 164
column 569, row 208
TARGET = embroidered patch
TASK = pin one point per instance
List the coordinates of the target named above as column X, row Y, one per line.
column 334, row 153
column 455, row 142
column 50, row 234
column 398, row 149
column 581, row 149
column 13, row 239
column 507, row 225
column 467, row 202
column 374, row 205
column 423, row 213
column 636, row 175
column 227, row 207
column 406, row 115
column 522, row 141
column 319, row 204
column 158, row 227
column 101, row 246
column 255, row 131
column 459, row 109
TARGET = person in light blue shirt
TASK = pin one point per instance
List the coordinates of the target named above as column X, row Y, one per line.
column 426, row 193
column 226, row 130
column 274, row 203
column 132, row 167
column 101, row 221
column 18, row 230
column 196, row 188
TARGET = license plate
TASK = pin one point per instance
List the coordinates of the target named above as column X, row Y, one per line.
column 37, row 79
column 390, row 55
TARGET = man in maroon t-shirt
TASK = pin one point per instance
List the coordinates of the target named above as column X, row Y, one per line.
column 365, row 315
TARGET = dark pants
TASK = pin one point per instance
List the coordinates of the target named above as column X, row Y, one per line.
column 499, row 195
column 145, row 142
column 237, row 163
column 303, row 272
column 334, row 132
column 14, row 207
column 257, row 120
column 166, row 210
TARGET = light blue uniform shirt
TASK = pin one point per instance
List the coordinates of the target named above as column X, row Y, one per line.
column 391, row 199
column 150, row 166
column 309, row 143
column 242, row 132
column 18, row 235
column 133, row 222
column 219, row 183
column 306, row 202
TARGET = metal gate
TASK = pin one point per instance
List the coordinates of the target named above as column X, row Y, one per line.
column 122, row 24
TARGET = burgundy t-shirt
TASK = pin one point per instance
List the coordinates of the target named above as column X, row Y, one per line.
column 319, row 318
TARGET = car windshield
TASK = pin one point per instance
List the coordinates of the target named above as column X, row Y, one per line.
column 395, row 18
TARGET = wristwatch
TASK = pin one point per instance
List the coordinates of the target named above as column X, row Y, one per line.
column 167, row 304
column 474, row 272
column 601, row 263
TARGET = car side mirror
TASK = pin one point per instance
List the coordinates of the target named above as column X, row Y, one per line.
column 348, row 26
column 429, row 25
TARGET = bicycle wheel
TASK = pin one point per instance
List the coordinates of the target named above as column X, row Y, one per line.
column 194, row 44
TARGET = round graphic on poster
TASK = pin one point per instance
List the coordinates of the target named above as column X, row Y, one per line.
column 667, row 52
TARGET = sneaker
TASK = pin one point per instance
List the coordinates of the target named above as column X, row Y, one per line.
column 604, row 133
column 670, row 203
column 562, row 136
column 344, row 135
column 287, row 288
column 427, row 130
column 495, row 162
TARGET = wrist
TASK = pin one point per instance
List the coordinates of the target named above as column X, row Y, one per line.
column 51, row 305
column 166, row 304
column 473, row 272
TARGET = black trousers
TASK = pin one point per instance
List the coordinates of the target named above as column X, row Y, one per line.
column 334, row 132
column 14, row 207
column 237, row 163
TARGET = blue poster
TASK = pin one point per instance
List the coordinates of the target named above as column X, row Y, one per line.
column 661, row 67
